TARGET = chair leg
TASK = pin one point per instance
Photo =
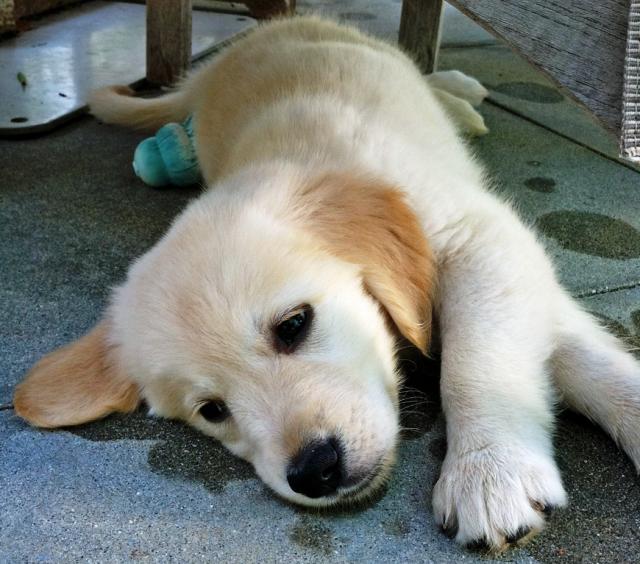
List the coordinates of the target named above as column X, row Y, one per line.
column 168, row 40
column 420, row 25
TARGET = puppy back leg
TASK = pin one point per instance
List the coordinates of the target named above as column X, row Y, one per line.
column 597, row 376
column 459, row 85
column 464, row 115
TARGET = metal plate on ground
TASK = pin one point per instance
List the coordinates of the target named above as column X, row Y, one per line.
column 47, row 72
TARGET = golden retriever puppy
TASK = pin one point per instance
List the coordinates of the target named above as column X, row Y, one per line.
column 267, row 316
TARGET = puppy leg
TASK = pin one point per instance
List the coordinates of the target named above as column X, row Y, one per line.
column 597, row 376
column 499, row 477
column 467, row 119
column 459, row 94
column 459, row 85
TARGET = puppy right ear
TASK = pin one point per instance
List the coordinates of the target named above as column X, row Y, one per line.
column 369, row 223
column 75, row 384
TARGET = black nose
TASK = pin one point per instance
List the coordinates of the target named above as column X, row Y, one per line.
column 316, row 470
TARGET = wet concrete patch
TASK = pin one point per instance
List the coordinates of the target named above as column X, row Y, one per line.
column 135, row 426
column 181, row 452
column 529, row 91
column 312, row 534
column 200, row 459
column 540, row 184
column 592, row 234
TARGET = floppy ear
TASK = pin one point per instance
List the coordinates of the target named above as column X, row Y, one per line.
column 75, row 384
column 369, row 223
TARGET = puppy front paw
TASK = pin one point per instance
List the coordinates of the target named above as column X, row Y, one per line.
column 496, row 496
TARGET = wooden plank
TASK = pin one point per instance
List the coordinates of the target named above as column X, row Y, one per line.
column 630, row 138
column 420, row 27
column 168, row 40
column 579, row 44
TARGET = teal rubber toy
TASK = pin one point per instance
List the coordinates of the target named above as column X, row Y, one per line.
column 169, row 157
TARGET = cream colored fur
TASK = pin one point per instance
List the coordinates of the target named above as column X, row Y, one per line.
column 303, row 98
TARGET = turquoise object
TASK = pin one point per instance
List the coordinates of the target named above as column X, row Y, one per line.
column 169, row 158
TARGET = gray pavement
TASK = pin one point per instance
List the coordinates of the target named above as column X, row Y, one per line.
column 72, row 217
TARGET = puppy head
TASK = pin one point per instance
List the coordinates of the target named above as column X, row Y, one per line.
column 266, row 318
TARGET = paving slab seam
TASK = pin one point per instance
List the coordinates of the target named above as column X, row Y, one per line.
column 606, row 290
column 505, row 108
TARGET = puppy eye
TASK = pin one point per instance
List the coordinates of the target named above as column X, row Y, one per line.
column 215, row 411
column 292, row 330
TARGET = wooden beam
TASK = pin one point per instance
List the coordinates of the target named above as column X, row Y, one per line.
column 168, row 40
column 420, row 26
column 579, row 44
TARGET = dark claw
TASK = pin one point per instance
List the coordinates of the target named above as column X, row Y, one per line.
column 521, row 532
column 548, row 509
column 449, row 530
column 479, row 544
column 545, row 509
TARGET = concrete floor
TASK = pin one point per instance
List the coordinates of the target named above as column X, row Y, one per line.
column 72, row 217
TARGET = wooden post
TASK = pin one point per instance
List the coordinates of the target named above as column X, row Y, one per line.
column 168, row 40
column 420, row 25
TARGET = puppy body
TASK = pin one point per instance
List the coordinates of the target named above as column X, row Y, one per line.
column 312, row 135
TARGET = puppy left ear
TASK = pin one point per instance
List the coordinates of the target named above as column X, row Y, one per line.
column 370, row 224
column 75, row 384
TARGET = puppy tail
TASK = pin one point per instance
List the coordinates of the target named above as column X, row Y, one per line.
column 116, row 105
column 597, row 376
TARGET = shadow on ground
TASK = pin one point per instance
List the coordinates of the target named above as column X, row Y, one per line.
column 184, row 453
